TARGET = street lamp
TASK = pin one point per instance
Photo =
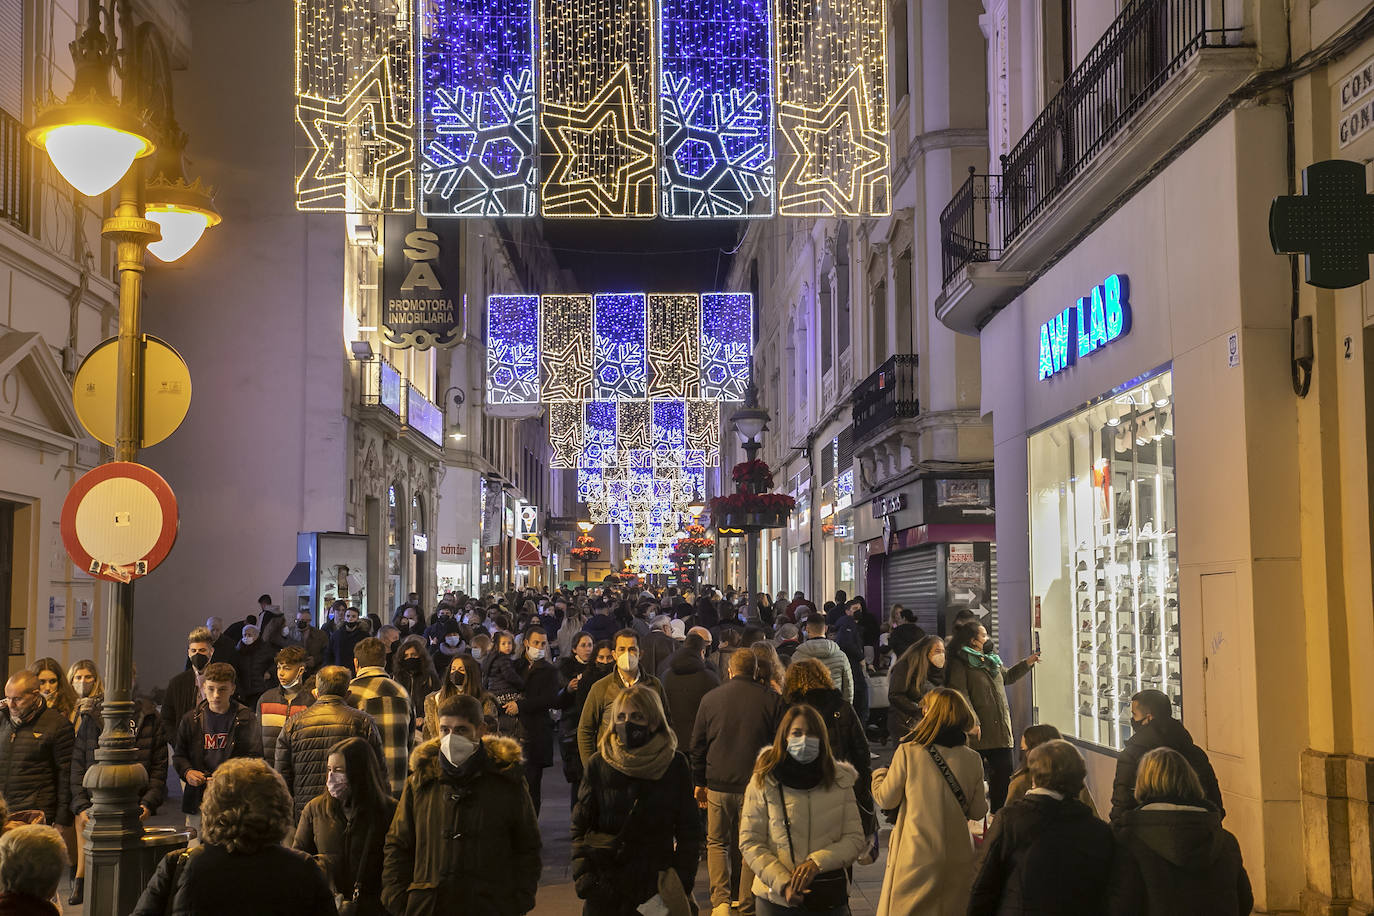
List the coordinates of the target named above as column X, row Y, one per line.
column 750, row 422
column 96, row 142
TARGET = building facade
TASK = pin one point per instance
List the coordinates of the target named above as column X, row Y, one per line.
column 1167, row 461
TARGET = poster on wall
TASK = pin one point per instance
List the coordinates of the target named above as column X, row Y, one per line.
column 57, row 615
column 966, row 579
column 81, row 625
column 491, row 513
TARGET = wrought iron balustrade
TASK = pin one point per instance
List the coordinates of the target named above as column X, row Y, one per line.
column 966, row 230
column 887, row 394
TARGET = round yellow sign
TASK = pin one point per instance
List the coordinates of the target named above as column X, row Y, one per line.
column 166, row 391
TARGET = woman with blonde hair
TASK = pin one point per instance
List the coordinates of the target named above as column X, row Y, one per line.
column 241, row 864
column 770, row 667
column 799, row 826
column 936, row 780
column 1172, row 854
column 808, row 682
column 636, row 830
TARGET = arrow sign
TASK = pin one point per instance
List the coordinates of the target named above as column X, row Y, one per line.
column 979, row 511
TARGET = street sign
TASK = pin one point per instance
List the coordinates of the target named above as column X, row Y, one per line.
column 1331, row 224
column 119, row 521
column 166, row 391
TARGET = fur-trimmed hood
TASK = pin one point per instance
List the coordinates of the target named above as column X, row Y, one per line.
column 503, row 758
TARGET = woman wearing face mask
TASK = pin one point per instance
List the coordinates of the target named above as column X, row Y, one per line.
column 415, row 672
column 918, row 671
column 576, row 674
column 976, row 671
column 254, row 662
column 53, row 686
column 345, row 826
column 150, row 745
column 636, row 830
column 800, row 827
column 464, row 677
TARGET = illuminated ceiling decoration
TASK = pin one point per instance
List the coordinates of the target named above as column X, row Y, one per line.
column 599, row 436
column 674, row 345
column 566, row 360
column 703, row 432
column 717, row 156
column 633, row 437
column 620, row 370
column 726, row 336
column 477, row 107
column 565, row 434
column 512, row 349
column 355, row 147
column 670, row 433
column 598, row 79
column 831, row 107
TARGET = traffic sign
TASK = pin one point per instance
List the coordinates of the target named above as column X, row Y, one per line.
column 119, row 521
column 166, row 391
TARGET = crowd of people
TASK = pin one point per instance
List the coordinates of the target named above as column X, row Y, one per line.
column 370, row 768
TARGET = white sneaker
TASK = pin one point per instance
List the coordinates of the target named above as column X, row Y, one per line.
column 720, row 909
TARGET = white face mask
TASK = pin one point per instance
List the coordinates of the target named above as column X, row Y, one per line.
column 476, row 654
column 249, row 640
column 804, row 748
column 452, row 640
column 534, row 654
column 456, row 748
column 628, row 662
column 81, row 688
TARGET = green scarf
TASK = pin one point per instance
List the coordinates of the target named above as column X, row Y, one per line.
column 989, row 660
column 648, row 761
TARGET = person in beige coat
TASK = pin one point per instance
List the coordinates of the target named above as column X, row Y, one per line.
column 800, row 821
column 930, row 860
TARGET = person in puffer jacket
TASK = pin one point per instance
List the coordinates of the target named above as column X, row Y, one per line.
column 465, row 838
column 800, row 821
column 828, row 653
column 1172, row 854
column 304, row 743
column 35, row 753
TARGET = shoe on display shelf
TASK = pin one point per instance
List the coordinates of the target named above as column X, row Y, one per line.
column 1085, row 646
column 1105, row 646
column 1176, row 676
column 1083, row 667
column 1147, row 532
column 1083, row 586
column 1105, row 713
column 1173, row 628
column 1174, row 654
column 1082, row 566
column 1086, row 709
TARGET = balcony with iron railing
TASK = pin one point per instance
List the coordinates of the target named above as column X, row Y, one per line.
column 16, row 173
column 885, row 396
column 1160, row 69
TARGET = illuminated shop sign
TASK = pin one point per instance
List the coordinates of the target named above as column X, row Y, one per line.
column 1080, row 329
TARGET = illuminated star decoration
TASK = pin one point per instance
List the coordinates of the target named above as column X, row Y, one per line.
column 366, row 126
column 674, row 345
column 477, row 118
column 839, row 155
column 566, row 358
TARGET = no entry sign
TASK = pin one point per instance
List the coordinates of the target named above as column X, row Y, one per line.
column 119, row 521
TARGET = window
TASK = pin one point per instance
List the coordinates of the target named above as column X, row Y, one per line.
column 1104, row 561
column 901, row 54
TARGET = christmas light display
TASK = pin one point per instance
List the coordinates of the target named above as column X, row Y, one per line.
column 356, row 128
column 566, row 360
column 477, row 107
column 620, row 369
column 598, row 435
column 831, row 107
column 512, row 349
column 703, row 432
column 633, row 436
column 565, row 434
column 726, row 335
column 598, row 80
column 674, row 345
column 717, row 156
column 669, row 433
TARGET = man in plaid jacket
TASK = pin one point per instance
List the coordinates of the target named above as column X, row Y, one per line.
column 389, row 706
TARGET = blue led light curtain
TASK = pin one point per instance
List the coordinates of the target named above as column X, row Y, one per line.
column 716, row 110
column 513, row 350
column 477, row 116
column 599, row 448
column 620, row 363
column 726, row 326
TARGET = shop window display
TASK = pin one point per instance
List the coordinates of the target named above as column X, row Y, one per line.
column 1104, row 562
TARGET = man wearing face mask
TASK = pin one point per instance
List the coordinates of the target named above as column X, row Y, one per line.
column 343, row 641
column 281, row 703
column 627, row 673
column 184, row 690
column 311, row 640
column 733, row 722
column 35, row 753
column 253, row 662
column 465, row 838
column 532, row 709
column 304, row 743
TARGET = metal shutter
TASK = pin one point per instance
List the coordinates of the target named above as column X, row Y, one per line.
column 845, row 447
column 12, row 57
column 911, row 579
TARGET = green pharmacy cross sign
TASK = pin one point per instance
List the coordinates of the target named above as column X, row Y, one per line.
column 1331, row 224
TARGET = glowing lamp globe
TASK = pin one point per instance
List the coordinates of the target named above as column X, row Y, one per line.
column 92, row 143
column 182, row 211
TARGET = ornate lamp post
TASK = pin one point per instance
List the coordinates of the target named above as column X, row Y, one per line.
column 96, row 142
column 750, row 422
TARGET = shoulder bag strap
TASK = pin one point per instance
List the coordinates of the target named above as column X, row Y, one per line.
column 787, row 823
column 949, row 778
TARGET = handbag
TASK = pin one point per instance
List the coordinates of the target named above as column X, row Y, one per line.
column 829, row 890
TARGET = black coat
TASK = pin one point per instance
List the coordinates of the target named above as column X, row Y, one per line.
column 256, row 666
column 349, row 849
column 655, row 650
column 616, row 883
column 848, row 743
column 601, row 626
column 182, row 696
column 36, row 765
column 1177, row 861
column 1160, row 733
column 188, row 748
column 686, row 681
column 1045, row 857
column 341, row 645
column 734, row 722
column 570, row 700
column 304, row 742
column 212, row 881
column 151, row 745
column 540, row 696
column 903, row 637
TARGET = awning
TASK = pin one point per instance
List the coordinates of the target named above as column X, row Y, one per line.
column 526, row 554
column 300, row 575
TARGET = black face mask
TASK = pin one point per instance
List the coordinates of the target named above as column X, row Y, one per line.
column 604, row 667
column 350, row 624
column 458, row 678
column 410, row 665
column 199, row 661
column 303, row 624
column 632, row 734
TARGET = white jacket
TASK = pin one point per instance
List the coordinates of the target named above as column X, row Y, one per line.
column 825, row 828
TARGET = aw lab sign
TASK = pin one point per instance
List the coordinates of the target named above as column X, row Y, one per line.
column 1095, row 321
column 421, row 305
